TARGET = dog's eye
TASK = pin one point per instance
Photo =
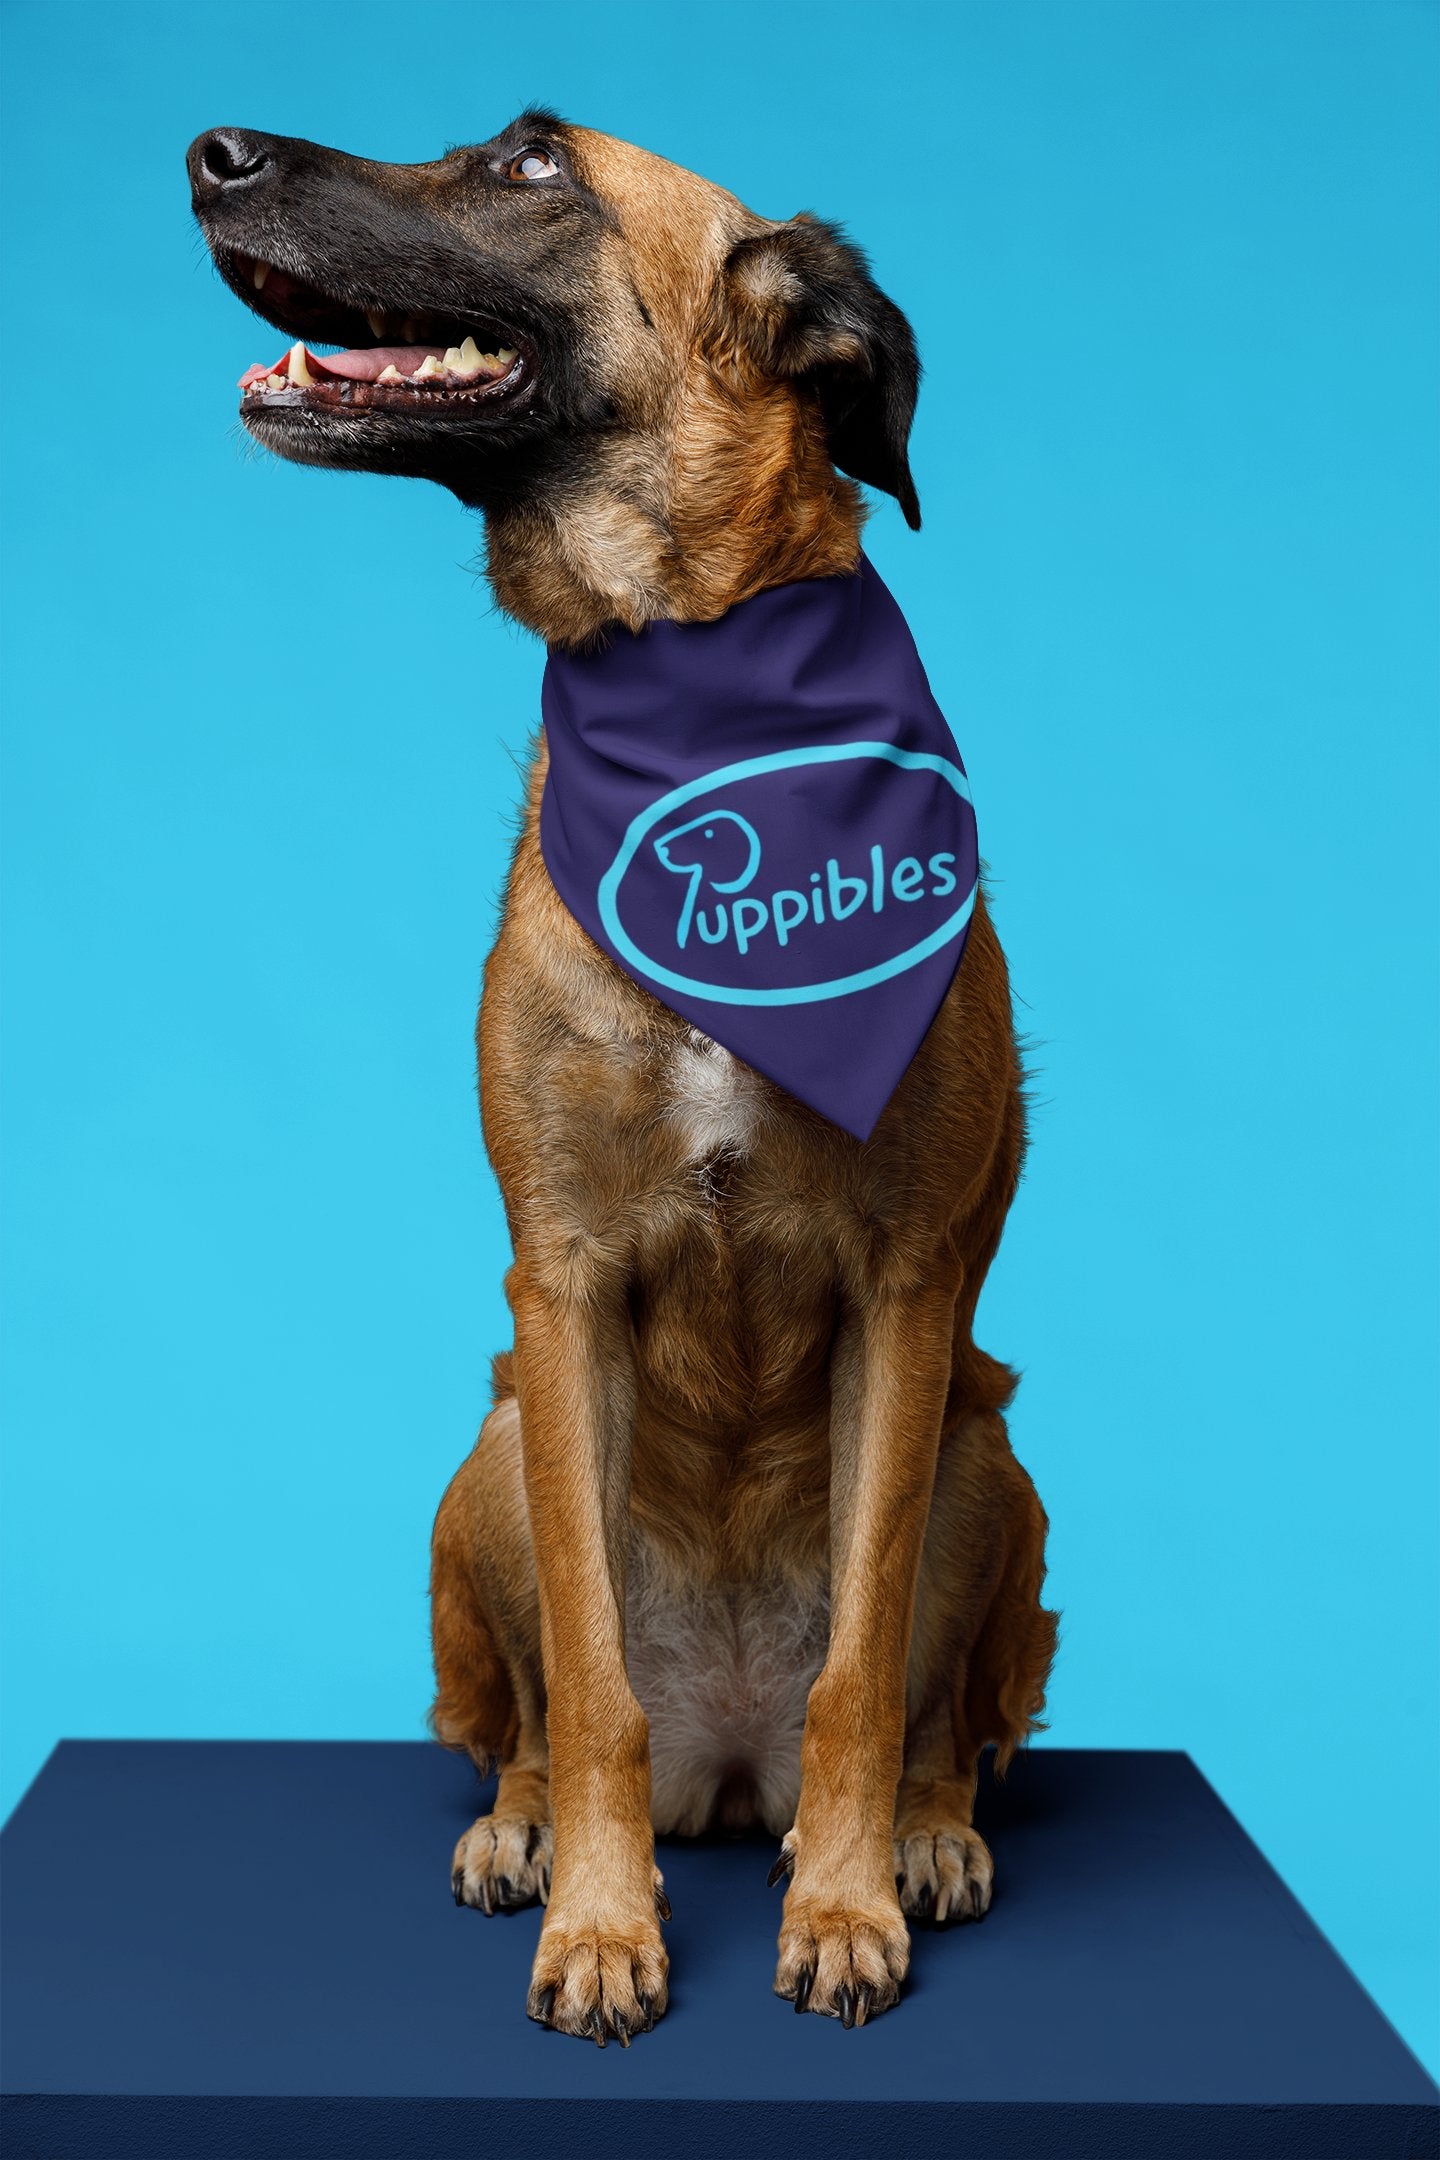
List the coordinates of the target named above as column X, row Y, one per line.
column 534, row 165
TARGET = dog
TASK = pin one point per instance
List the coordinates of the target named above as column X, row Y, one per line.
column 742, row 1542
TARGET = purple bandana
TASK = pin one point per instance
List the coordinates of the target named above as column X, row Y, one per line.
column 765, row 821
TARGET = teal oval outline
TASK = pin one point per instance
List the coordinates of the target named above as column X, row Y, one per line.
column 749, row 769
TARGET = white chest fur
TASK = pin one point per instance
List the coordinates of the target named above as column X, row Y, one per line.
column 713, row 1100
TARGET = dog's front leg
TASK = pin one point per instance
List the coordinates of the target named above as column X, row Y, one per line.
column 600, row 1966
column 843, row 1945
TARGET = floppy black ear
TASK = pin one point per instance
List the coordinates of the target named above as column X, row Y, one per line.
column 804, row 304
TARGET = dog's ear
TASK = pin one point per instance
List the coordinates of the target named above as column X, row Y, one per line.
column 801, row 303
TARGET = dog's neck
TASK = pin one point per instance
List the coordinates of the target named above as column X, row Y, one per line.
column 678, row 523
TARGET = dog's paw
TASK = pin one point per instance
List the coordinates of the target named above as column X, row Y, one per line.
column 502, row 1862
column 944, row 1875
column 843, row 1964
column 599, row 1983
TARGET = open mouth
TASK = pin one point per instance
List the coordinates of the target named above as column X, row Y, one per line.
column 392, row 359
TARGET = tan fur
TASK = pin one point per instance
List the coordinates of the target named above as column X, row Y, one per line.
column 720, row 482
column 743, row 1361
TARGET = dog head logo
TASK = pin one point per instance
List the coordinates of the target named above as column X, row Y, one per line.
column 695, row 849
column 802, row 876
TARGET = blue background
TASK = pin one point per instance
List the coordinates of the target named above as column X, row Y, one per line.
column 1171, row 269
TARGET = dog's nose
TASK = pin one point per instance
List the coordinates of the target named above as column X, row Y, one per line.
column 226, row 158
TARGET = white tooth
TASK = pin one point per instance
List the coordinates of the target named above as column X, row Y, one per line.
column 469, row 360
column 259, row 274
column 295, row 367
column 452, row 358
column 391, row 374
column 428, row 368
column 376, row 319
column 275, row 382
column 504, row 356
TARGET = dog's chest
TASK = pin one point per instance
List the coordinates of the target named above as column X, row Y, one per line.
column 735, row 1257
column 712, row 1101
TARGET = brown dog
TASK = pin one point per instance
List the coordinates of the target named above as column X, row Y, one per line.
column 742, row 1539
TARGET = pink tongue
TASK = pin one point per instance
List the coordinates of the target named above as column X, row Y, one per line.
column 366, row 365
column 370, row 363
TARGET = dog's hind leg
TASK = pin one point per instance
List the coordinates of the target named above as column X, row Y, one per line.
column 489, row 1699
column 981, row 1653
column 504, row 1858
column 1000, row 1696
column 943, row 1868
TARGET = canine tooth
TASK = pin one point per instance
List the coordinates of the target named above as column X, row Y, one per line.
column 258, row 276
column 295, row 367
column 391, row 374
column 376, row 318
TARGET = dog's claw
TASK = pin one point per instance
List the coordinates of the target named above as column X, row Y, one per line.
column 866, row 2002
column 543, row 2005
column 647, row 2012
column 597, row 2027
column 845, row 2003
column 457, row 1886
column 781, row 1867
column 803, row 1986
column 662, row 1904
column 487, row 1902
column 620, row 2028
column 505, row 1887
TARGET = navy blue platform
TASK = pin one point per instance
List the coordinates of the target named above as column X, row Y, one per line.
column 233, row 1951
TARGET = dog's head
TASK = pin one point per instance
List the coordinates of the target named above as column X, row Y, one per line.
column 649, row 390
